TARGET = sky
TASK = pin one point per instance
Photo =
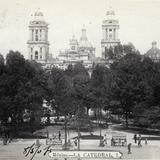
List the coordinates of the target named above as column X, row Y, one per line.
column 139, row 22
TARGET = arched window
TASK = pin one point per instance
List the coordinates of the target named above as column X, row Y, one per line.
column 36, row 55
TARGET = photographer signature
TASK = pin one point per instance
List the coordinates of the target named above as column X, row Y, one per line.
column 34, row 149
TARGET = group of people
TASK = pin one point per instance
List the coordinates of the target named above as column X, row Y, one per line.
column 136, row 138
column 6, row 134
column 139, row 139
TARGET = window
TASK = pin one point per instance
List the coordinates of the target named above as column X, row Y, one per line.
column 31, row 57
column 40, row 33
column 31, row 50
column 32, row 34
column 110, row 35
column 36, row 38
column 36, row 55
column 40, row 49
column 110, row 30
column 110, row 21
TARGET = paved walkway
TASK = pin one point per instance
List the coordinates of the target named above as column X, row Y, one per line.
column 15, row 150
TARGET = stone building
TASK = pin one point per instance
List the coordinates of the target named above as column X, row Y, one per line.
column 38, row 45
column 154, row 52
column 81, row 51
column 110, row 28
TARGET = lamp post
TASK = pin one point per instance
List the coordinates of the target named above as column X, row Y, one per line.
column 65, row 129
column 100, row 125
column 78, row 131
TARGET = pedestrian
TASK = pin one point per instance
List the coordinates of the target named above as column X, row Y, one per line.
column 5, row 138
column 129, row 148
column 139, row 141
column 146, row 141
column 37, row 142
column 8, row 135
column 135, row 138
column 59, row 135
column 112, row 142
column 75, row 142
column 105, row 139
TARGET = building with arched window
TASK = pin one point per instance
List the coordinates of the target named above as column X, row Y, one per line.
column 80, row 51
column 110, row 28
column 38, row 45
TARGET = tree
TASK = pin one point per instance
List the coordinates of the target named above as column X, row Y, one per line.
column 59, row 92
column 146, row 113
column 23, row 86
column 79, row 77
column 129, row 86
column 100, row 90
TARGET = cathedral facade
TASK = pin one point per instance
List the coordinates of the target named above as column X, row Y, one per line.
column 80, row 51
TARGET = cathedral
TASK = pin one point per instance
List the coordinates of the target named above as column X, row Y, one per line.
column 79, row 51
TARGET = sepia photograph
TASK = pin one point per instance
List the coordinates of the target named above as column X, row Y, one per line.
column 79, row 79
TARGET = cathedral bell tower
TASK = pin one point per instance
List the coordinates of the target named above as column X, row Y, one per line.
column 73, row 45
column 38, row 45
column 110, row 27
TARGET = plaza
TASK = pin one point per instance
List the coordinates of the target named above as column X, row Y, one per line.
column 15, row 149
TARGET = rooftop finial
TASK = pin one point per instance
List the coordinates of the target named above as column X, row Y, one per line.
column 38, row 13
column 110, row 11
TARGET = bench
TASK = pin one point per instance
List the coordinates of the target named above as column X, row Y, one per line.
column 55, row 142
column 118, row 140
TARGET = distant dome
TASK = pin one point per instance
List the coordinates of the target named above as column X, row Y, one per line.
column 73, row 41
column 84, row 43
column 154, row 52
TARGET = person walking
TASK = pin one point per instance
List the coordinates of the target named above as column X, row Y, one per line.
column 4, row 132
column 129, row 148
column 135, row 138
column 139, row 141
column 146, row 141
column 75, row 142
column 59, row 135
column 105, row 139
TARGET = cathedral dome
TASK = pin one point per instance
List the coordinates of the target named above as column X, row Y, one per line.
column 84, row 43
column 38, row 16
column 154, row 52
